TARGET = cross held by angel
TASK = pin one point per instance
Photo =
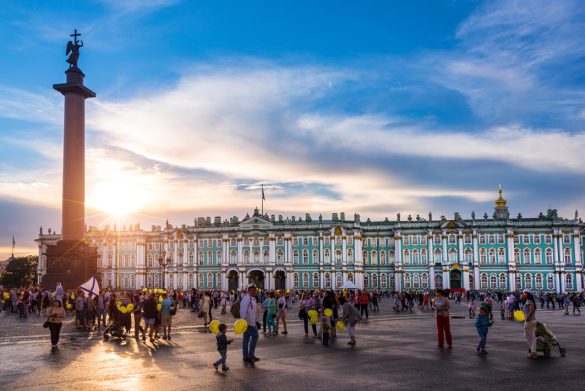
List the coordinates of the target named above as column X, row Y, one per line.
column 73, row 49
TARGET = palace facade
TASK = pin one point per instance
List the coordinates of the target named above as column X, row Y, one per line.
column 541, row 253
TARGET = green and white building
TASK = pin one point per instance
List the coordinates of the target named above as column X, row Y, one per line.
column 503, row 253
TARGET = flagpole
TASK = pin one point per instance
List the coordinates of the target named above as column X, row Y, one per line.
column 262, row 199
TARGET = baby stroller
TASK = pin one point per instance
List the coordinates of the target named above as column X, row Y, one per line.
column 115, row 330
column 546, row 340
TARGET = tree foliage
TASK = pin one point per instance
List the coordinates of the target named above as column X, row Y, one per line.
column 20, row 272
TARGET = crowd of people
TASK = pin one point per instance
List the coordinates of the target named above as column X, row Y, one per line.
column 149, row 312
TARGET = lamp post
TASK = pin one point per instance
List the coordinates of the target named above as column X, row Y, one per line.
column 164, row 262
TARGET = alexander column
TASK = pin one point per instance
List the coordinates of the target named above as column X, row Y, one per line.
column 72, row 261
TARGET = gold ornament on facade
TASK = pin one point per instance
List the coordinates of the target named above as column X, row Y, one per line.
column 500, row 202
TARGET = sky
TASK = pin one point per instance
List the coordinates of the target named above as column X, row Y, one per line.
column 374, row 107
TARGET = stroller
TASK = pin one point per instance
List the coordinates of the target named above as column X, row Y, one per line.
column 115, row 330
column 546, row 340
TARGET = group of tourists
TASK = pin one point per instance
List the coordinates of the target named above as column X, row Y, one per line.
column 149, row 312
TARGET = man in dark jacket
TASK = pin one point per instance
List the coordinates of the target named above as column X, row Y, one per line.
column 149, row 315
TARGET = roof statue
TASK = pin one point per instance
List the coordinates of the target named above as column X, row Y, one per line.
column 73, row 49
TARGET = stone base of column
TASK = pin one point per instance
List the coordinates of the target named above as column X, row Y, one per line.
column 71, row 263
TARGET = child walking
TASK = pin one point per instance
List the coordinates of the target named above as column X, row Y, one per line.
column 483, row 323
column 222, row 343
column 325, row 327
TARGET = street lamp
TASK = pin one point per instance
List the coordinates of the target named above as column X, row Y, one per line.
column 164, row 262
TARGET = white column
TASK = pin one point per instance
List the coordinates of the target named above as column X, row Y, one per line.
column 226, row 253
column 460, row 249
column 559, row 284
column 577, row 248
column 240, row 252
column 344, row 249
column 272, row 250
column 195, row 254
column 431, row 258
column 446, row 282
column 397, row 261
column 321, row 255
column 140, row 263
column 465, row 276
column 475, row 260
column 445, row 274
column 288, row 243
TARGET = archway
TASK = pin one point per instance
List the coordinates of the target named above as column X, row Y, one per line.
column 256, row 277
column 455, row 279
column 280, row 280
column 233, row 280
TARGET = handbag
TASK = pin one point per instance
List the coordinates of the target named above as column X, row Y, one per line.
column 46, row 324
column 173, row 310
column 302, row 313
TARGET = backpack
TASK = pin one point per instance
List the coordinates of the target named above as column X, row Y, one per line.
column 235, row 309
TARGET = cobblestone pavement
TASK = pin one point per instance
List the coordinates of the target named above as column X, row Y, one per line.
column 394, row 351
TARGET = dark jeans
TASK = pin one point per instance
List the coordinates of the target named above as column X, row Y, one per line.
column 325, row 338
column 55, row 329
column 482, row 341
column 364, row 307
column 306, row 323
column 223, row 360
column 264, row 321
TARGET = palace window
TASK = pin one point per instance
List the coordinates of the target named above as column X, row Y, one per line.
column 315, row 280
column 482, row 239
column 315, row 259
column 416, row 281
column 549, row 256
column 493, row 281
column 296, row 280
column 279, row 257
column 438, row 281
column 424, row 278
column 350, row 240
column 525, row 239
column 233, row 242
column 350, row 276
column 492, row 239
column 391, row 257
column 315, row 242
column 338, row 280
column 406, row 240
column 338, row 241
column 365, row 257
column 200, row 280
column 296, row 256
column 452, row 239
column 500, row 239
column 467, row 239
column 279, row 241
column 246, row 256
column 538, row 281
column 437, row 238
column 305, row 280
column 349, row 256
column 501, row 256
column 414, row 241
column 190, row 259
column 233, row 257
column 327, row 241
column 295, row 241
column 305, row 257
column 406, row 259
column 374, row 259
column 569, row 282
column 218, row 257
column 366, row 281
column 568, row 256
column 517, row 256
column 423, row 256
column 407, row 281
column 438, row 256
column 468, row 254
column 483, row 281
column 482, row 257
column 338, row 257
column 384, row 281
column 537, row 256
column 327, row 280
column 327, row 257
column 305, row 241
column 526, row 258
column 200, row 257
column 492, row 257
column 547, row 239
column 423, row 239
column 566, row 239
column 516, row 239
column 266, row 256
column 503, row 281
column 550, row 282
column 527, row 281
column 536, row 239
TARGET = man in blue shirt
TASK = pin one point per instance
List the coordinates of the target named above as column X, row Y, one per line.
column 165, row 316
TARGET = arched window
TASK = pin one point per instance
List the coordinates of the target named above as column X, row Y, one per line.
column 190, row 258
column 416, row 281
column 266, row 256
column 493, row 281
column 468, row 254
column 209, row 280
column 527, row 281
column 538, row 281
column 384, row 281
column 407, row 284
column 338, row 280
column 518, row 280
column 305, row 280
column 280, row 257
column 327, row 256
column 549, row 256
column 365, row 257
column 256, row 257
column 200, row 280
column 406, row 255
column 349, row 256
column 218, row 257
column 305, row 257
column 424, row 280
column 526, row 258
column 350, row 276
column 315, row 259
column 517, row 256
column 438, row 281
column 492, row 256
column 550, row 282
column 503, row 281
column 200, row 257
column 210, row 258
column 246, row 256
column 483, row 281
column 366, row 281
column 296, row 256
column 415, row 259
column 327, row 280
column 374, row 281
column 338, row 257
column 391, row 257
column 316, row 283
column 452, row 256
column 296, row 280
column 374, row 259
column 452, row 239
column 382, row 257
column 537, row 256
column 233, row 257
column 501, row 256
column 568, row 257
column 569, row 282
column 149, row 261
column 423, row 256
column 482, row 257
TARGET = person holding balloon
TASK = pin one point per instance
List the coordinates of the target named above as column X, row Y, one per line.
column 222, row 345
column 307, row 304
column 351, row 316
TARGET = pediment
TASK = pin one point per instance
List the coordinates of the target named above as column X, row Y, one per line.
column 256, row 222
column 453, row 224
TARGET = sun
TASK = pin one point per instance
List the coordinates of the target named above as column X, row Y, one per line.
column 116, row 198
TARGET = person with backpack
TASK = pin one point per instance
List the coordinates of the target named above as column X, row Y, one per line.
column 249, row 312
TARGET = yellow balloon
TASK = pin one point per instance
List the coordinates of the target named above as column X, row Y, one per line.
column 519, row 315
column 159, row 307
column 130, row 307
column 312, row 313
column 160, row 298
column 340, row 326
column 328, row 312
column 314, row 320
column 68, row 306
column 73, row 296
column 240, row 326
column 6, row 295
column 123, row 310
column 214, row 327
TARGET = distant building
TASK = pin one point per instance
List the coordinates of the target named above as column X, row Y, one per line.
column 542, row 253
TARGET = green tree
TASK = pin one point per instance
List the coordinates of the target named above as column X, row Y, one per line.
column 20, row 272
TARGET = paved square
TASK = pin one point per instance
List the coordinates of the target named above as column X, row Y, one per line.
column 394, row 351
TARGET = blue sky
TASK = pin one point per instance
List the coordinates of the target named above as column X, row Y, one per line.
column 373, row 107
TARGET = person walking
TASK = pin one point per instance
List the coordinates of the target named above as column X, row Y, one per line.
column 206, row 305
column 306, row 304
column 442, row 307
column 282, row 312
column 483, row 323
column 149, row 313
column 222, row 345
column 249, row 312
column 165, row 316
column 137, row 312
column 55, row 314
column 530, row 323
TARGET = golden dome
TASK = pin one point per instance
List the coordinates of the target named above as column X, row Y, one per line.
column 500, row 202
